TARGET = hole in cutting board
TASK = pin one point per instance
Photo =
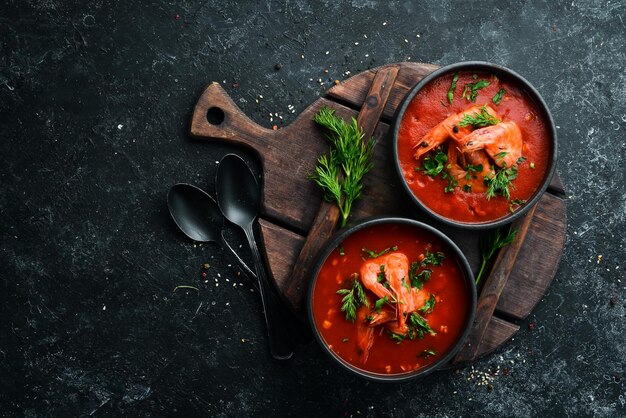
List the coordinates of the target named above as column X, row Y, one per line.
column 215, row 116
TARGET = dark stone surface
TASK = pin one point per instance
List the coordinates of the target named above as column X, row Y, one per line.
column 95, row 100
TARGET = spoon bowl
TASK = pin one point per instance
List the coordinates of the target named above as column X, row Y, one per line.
column 199, row 217
column 195, row 212
column 239, row 195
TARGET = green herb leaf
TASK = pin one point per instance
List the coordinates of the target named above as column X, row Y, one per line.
column 498, row 96
column 500, row 182
column 398, row 338
column 470, row 92
column 419, row 325
column 455, row 78
column 433, row 165
column 428, row 353
column 479, row 120
column 352, row 299
column 434, row 259
column 492, row 243
column 378, row 305
column 429, row 305
column 374, row 254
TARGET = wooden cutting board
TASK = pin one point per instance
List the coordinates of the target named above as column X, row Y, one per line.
column 293, row 208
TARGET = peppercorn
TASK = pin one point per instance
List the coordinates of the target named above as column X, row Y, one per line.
column 203, row 275
column 278, row 66
column 455, row 129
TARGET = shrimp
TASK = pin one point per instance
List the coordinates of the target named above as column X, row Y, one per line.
column 503, row 143
column 397, row 273
column 448, row 128
column 475, row 159
column 385, row 315
column 364, row 334
column 369, row 277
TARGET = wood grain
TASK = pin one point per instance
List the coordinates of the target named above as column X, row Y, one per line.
column 538, row 259
column 291, row 201
column 328, row 214
column 492, row 288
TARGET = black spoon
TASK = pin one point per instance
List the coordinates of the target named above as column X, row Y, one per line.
column 239, row 198
column 198, row 216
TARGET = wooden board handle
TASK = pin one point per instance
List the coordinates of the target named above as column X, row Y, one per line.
column 492, row 289
column 328, row 214
column 217, row 116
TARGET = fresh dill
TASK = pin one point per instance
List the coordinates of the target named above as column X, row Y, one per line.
column 352, row 299
column 340, row 174
column 500, row 182
column 497, row 98
column 492, row 243
column 470, row 91
column 479, row 120
column 455, row 78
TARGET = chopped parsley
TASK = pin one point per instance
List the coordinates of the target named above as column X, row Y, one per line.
column 497, row 98
column 455, row 78
column 428, row 353
column 470, row 92
column 429, row 305
column 374, row 254
column 418, row 326
column 433, row 258
column 433, row 165
column 378, row 305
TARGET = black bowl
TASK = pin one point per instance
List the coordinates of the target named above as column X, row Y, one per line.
column 503, row 72
column 463, row 265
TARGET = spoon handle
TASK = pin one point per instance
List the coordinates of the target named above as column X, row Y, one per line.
column 241, row 263
column 280, row 338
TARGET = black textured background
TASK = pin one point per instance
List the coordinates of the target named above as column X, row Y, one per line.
column 95, row 100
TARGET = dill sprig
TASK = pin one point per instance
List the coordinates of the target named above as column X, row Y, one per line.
column 479, row 120
column 340, row 174
column 352, row 299
column 492, row 243
column 500, row 182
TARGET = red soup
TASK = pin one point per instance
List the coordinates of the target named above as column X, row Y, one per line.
column 391, row 299
column 473, row 147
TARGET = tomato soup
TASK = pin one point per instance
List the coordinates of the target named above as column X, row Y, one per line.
column 388, row 350
column 451, row 197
